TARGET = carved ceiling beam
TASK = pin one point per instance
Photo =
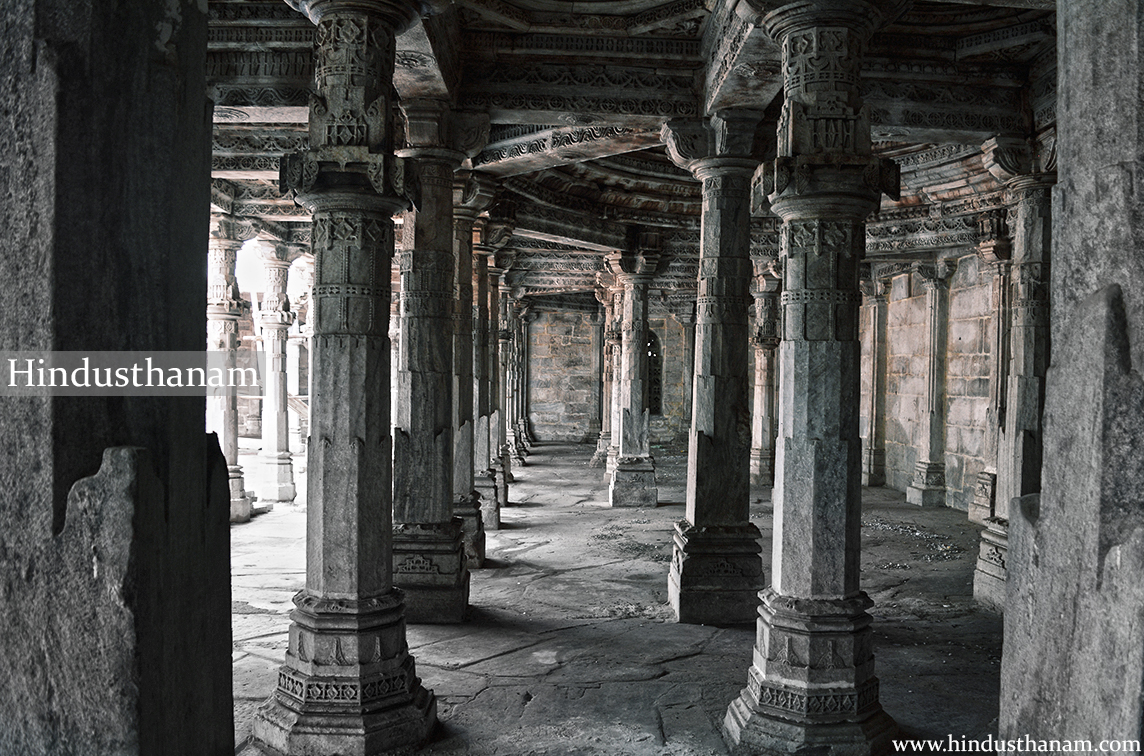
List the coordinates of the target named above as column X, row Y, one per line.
column 682, row 17
column 1032, row 4
column 566, row 227
column 744, row 66
column 535, row 150
column 942, row 112
column 600, row 48
column 427, row 63
column 636, row 98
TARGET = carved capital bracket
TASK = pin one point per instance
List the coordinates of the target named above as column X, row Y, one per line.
column 934, row 275
column 729, row 133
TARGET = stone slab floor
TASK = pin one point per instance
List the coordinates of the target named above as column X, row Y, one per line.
column 571, row 649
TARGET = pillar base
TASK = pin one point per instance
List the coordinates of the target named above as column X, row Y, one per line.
column 811, row 687
column 241, row 502
column 282, row 489
column 928, row 486
column 716, row 574
column 486, row 483
column 762, row 467
column 472, row 525
column 984, row 495
column 990, row 575
column 873, row 467
column 600, row 457
column 348, row 685
column 633, row 483
column 610, row 463
column 429, row 565
column 516, row 449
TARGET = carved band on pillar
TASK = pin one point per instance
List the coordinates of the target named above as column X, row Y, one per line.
column 429, row 560
column 632, row 481
column 812, row 685
column 717, row 571
column 224, row 307
column 349, row 684
column 275, row 319
column 1028, row 171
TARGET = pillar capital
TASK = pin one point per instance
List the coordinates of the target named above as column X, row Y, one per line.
column 472, row 194
column 935, row 275
column 780, row 19
column 723, row 141
column 398, row 14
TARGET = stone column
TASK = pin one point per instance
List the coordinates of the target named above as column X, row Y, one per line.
column 686, row 320
column 471, row 194
column 503, row 451
column 604, row 297
column 223, row 310
column 1029, row 177
column 633, row 480
column 514, row 420
column 716, row 572
column 927, row 489
column 298, row 348
column 874, row 445
column 429, row 560
column 349, row 684
column 614, row 336
column 812, row 685
column 484, row 380
column 994, row 249
column 765, row 340
column 276, row 318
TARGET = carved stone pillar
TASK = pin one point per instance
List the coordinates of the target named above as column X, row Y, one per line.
column 994, row 250
column 516, row 418
column 298, row 348
column 349, row 683
column 471, row 194
column 812, row 685
column 275, row 317
column 765, row 341
column 615, row 336
column 927, row 489
column 500, row 336
column 1028, row 173
column 429, row 561
column 716, row 572
column 223, row 310
column 484, row 380
column 633, row 480
column 686, row 320
column 874, row 445
column 611, row 341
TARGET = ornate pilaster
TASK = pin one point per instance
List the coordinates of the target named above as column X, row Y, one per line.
column 812, row 685
column 874, row 445
column 611, row 341
column 429, row 559
column 275, row 318
column 717, row 571
column 223, row 310
column 472, row 193
column 349, row 684
column 765, row 340
column 633, row 479
column 1028, row 171
column 927, row 489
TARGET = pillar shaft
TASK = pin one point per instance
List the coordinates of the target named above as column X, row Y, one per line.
column 874, row 447
column 633, row 479
column 687, row 322
column 765, row 340
column 223, row 310
column 349, row 684
column 600, row 457
column 275, row 319
column 615, row 337
column 928, row 485
column 429, row 555
column 811, row 686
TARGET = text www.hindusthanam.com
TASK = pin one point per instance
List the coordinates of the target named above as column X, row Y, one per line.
column 1024, row 744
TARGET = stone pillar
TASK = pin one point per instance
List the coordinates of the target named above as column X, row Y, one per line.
column 276, row 318
column 298, row 348
column 633, row 480
column 994, row 252
column 429, row 560
column 599, row 321
column 716, row 572
column 1028, row 178
column 927, row 489
column 874, row 445
column 484, row 380
column 223, row 310
column 349, row 683
column 514, row 418
column 765, row 340
column 471, row 194
column 610, row 342
column 614, row 335
column 502, row 461
column 812, row 685
column 686, row 320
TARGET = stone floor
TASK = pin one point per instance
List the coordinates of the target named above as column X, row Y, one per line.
column 571, row 649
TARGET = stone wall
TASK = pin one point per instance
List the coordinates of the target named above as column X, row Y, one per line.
column 563, row 376
column 967, row 378
column 905, row 377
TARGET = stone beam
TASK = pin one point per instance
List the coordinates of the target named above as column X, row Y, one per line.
column 638, row 98
column 744, row 66
column 427, row 65
column 566, row 227
column 942, row 111
column 647, row 51
column 524, row 149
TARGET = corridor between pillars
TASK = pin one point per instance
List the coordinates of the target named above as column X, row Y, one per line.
column 812, row 683
column 632, row 481
column 349, row 684
column 717, row 571
column 429, row 561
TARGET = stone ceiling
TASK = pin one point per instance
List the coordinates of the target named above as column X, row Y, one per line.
column 576, row 94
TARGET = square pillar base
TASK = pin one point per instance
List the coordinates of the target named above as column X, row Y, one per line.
column 984, row 495
column 633, row 483
column 241, row 502
column 600, row 456
column 928, row 486
column 762, row 467
column 486, row 483
column 281, row 475
column 873, row 467
column 716, row 574
column 429, row 565
column 990, row 575
column 752, row 732
column 472, row 526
